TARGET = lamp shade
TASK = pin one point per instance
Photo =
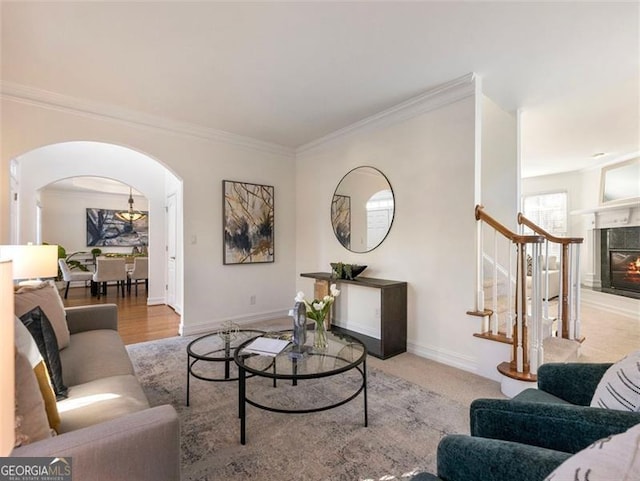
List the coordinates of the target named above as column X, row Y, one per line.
column 7, row 358
column 32, row 261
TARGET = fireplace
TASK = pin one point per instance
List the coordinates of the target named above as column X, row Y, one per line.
column 625, row 269
column 620, row 261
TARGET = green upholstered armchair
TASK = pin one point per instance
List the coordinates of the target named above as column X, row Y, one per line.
column 557, row 415
column 466, row 458
column 527, row 437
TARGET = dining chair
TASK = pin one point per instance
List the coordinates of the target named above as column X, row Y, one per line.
column 110, row 269
column 71, row 275
column 139, row 272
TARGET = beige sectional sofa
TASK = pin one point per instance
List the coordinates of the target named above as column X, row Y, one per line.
column 106, row 424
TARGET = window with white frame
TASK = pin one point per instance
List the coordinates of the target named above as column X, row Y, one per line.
column 548, row 211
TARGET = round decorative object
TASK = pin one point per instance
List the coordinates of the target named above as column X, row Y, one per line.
column 362, row 209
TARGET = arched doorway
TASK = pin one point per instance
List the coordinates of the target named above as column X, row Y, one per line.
column 34, row 170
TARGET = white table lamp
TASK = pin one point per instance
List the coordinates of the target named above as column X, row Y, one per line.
column 32, row 262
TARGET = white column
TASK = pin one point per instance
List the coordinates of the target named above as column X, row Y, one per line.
column 591, row 254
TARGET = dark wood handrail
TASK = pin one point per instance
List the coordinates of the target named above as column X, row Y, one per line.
column 522, row 220
column 516, row 238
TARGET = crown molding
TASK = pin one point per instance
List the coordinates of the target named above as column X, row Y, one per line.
column 434, row 98
column 65, row 103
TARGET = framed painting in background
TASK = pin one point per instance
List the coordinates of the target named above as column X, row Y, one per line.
column 105, row 229
column 248, row 222
column 341, row 218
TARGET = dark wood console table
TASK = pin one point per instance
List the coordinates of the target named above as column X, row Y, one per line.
column 393, row 312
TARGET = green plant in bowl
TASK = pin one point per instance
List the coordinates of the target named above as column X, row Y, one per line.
column 346, row 271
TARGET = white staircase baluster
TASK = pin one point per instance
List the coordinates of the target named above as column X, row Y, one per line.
column 560, row 293
column 510, row 304
column 479, row 269
column 520, row 311
column 494, row 317
column 577, row 290
column 534, row 320
column 545, row 302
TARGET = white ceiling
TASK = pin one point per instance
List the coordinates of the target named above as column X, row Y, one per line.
column 289, row 73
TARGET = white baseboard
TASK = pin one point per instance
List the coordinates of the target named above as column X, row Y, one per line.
column 443, row 356
column 212, row 324
column 155, row 301
column 591, row 281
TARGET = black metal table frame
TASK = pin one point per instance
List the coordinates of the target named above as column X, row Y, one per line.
column 243, row 400
column 227, row 359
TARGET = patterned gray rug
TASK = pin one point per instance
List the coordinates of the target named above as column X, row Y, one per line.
column 406, row 422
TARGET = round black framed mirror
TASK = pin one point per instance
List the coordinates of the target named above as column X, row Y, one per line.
column 362, row 209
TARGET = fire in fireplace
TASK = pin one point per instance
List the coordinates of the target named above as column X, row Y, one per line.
column 625, row 269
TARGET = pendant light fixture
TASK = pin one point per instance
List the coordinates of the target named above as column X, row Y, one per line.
column 130, row 215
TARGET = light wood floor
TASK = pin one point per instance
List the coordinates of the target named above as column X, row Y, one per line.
column 137, row 322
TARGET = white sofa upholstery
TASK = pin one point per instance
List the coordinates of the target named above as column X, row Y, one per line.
column 553, row 279
column 550, row 277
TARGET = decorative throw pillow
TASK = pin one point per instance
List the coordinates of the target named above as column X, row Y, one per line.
column 40, row 329
column 619, row 388
column 612, row 458
column 31, row 417
column 26, row 345
column 48, row 298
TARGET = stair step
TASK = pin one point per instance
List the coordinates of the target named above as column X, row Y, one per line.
column 500, row 337
column 557, row 349
column 485, row 313
column 508, row 369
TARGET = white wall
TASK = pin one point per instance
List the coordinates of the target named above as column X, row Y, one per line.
column 212, row 292
column 499, row 164
column 429, row 161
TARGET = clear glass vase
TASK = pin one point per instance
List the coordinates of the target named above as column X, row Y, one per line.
column 320, row 342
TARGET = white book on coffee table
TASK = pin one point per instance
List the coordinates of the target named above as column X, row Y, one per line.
column 266, row 346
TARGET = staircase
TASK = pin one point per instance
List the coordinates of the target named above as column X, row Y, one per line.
column 523, row 317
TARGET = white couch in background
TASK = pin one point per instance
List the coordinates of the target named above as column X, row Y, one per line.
column 550, row 276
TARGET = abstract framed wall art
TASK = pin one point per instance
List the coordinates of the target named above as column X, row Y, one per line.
column 248, row 222
column 341, row 218
column 104, row 228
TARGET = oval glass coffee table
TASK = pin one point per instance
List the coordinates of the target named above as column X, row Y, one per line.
column 217, row 346
column 343, row 354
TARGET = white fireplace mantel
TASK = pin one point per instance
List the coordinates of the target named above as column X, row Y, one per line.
column 611, row 216
column 625, row 214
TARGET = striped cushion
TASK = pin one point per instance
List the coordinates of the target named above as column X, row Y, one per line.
column 619, row 388
column 610, row 459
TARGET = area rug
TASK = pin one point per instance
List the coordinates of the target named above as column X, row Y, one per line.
column 406, row 422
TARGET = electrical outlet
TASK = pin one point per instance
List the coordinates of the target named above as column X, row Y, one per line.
column 377, row 313
column 252, row 300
